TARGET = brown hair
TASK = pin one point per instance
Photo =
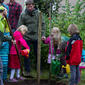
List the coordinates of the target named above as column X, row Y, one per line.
column 73, row 29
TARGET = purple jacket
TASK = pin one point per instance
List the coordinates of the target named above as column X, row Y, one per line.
column 48, row 41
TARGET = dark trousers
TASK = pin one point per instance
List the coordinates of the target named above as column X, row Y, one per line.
column 75, row 74
column 27, row 60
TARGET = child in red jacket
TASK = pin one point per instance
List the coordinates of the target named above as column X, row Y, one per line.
column 74, row 53
column 14, row 62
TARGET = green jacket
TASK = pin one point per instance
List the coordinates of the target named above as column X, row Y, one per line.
column 31, row 20
column 3, row 28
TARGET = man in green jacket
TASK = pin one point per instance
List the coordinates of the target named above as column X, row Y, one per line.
column 30, row 18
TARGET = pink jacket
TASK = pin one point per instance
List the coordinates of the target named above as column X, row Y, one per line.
column 19, row 42
column 48, row 41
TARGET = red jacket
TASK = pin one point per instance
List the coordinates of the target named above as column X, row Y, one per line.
column 74, row 50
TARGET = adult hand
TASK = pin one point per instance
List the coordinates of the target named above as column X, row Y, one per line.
column 5, row 12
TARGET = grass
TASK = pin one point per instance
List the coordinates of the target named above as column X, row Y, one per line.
column 45, row 75
column 82, row 79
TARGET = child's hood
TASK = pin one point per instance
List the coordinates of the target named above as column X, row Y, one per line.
column 17, row 35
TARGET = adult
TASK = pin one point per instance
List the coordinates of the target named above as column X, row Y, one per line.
column 4, row 45
column 30, row 18
column 4, row 5
column 15, row 10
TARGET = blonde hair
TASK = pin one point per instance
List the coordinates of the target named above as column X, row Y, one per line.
column 22, row 28
column 57, row 36
column 73, row 29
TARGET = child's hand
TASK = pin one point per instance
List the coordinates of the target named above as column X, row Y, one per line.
column 43, row 38
column 14, row 42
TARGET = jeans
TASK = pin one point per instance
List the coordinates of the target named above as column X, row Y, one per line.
column 27, row 60
column 75, row 74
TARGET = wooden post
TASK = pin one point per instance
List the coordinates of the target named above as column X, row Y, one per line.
column 15, row 44
column 50, row 26
column 39, row 48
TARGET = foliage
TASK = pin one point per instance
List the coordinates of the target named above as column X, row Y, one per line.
column 44, row 5
column 70, row 14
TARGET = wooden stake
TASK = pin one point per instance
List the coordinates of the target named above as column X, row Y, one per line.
column 50, row 26
column 15, row 44
column 39, row 48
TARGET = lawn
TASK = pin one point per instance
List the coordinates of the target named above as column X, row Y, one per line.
column 82, row 79
column 45, row 75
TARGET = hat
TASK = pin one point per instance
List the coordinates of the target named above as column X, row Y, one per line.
column 2, row 8
column 29, row 1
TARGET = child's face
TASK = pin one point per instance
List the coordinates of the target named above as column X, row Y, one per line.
column 23, row 32
column 54, row 31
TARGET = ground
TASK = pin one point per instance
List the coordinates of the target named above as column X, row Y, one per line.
column 34, row 82
column 44, row 80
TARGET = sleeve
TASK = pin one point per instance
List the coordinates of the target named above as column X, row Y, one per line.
column 7, row 38
column 23, row 43
column 1, row 66
column 46, row 41
column 7, row 7
column 69, row 47
column 7, row 11
column 21, row 21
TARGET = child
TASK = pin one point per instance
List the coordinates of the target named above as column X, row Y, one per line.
column 74, row 53
column 55, row 31
column 56, row 41
column 14, row 62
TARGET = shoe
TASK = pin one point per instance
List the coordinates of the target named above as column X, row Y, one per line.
column 21, row 78
column 13, row 80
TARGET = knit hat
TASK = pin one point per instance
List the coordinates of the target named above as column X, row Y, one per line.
column 29, row 2
column 2, row 8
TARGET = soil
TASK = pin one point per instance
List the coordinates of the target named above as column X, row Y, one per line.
column 34, row 82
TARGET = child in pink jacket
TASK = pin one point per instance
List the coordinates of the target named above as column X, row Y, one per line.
column 14, row 62
column 50, row 40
